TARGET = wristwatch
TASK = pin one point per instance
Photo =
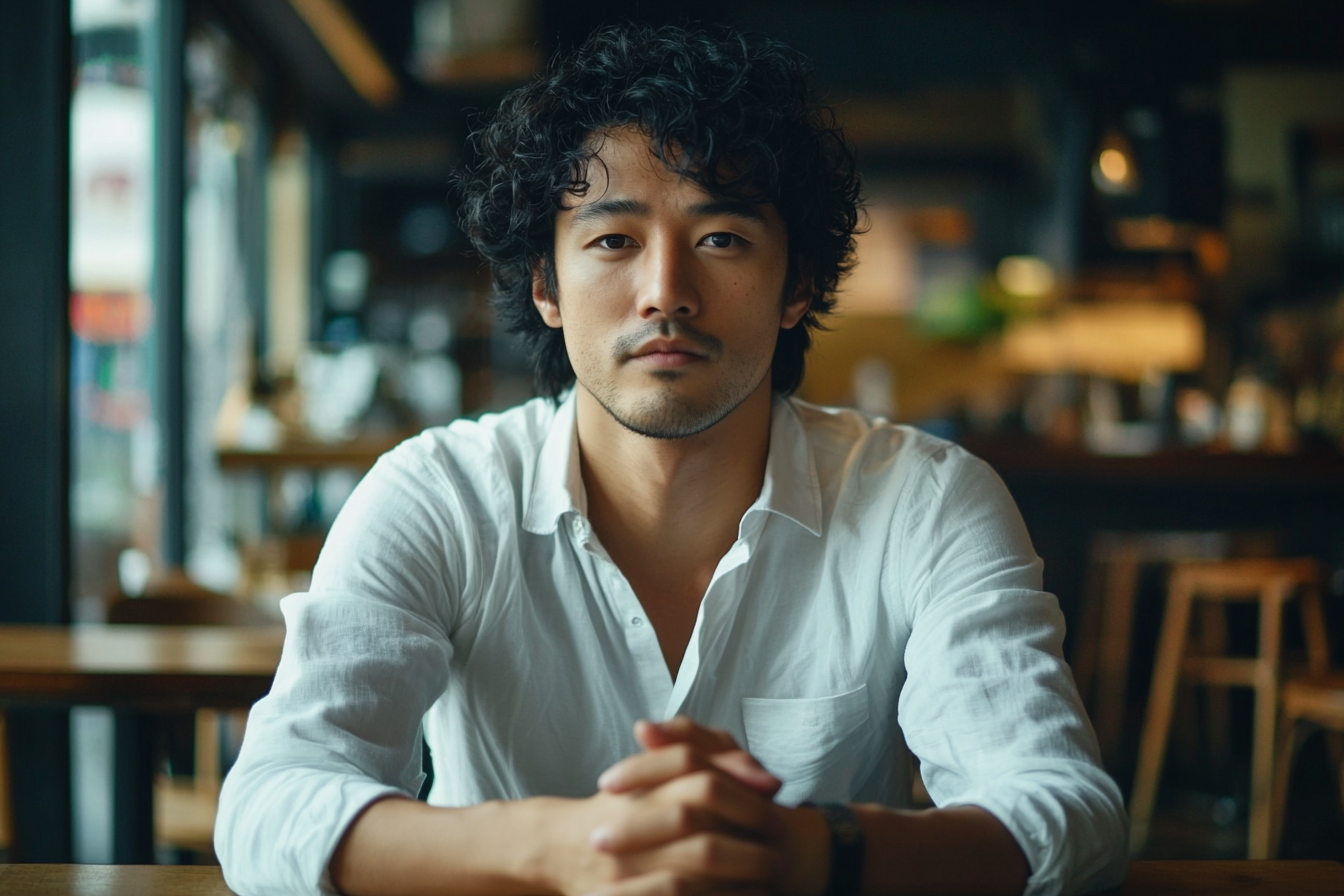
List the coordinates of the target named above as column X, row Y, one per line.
column 847, row 848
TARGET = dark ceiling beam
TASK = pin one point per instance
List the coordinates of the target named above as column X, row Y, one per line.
column 301, row 55
column 350, row 48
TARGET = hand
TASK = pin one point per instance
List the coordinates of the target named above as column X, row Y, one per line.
column 680, row 747
column 691, row 814
column 701, row 748
column 699, row 833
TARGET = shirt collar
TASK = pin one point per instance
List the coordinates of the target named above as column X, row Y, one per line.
column 557, row 487
column 791, row 487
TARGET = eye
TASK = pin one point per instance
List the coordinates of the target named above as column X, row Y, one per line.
column 615, row 241
column 721, row 240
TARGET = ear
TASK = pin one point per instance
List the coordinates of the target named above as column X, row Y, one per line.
column 797, row 304
column 546, row 305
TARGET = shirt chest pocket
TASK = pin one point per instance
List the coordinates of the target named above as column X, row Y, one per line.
column 809, row 744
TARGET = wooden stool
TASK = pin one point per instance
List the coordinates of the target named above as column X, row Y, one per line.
column 1271, row 583
column 184, row 810
column 1313, row 702
column 1101, row 658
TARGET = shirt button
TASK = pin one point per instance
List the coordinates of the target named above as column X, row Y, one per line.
column 577, row 526
column 635, row 620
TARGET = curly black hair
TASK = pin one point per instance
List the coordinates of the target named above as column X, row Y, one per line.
column 736, row 113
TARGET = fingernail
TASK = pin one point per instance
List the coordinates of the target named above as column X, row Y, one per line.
column 608, row 779
column 600, row 837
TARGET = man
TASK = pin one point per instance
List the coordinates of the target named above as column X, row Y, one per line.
column 786, row 596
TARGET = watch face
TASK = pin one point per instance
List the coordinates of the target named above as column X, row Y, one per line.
column 847, row 829
column 844, row 826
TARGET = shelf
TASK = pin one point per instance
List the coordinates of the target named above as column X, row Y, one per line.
column 360, row 454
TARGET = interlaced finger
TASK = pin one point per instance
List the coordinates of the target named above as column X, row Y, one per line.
column 656, row 824
column 652, row 768
column 702, row 802
column 683, row 730
column 712, row 857
column 657, row 766
column 717, row 746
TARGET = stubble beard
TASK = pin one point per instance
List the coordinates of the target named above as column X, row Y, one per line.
column 667, row 414
column 672, row 416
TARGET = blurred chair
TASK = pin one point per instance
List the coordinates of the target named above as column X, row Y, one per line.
column 184, row 810
column 1271, row 584
column 1309, row 703
column 1105, row 636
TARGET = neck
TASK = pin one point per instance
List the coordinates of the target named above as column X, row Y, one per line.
column 677, row 499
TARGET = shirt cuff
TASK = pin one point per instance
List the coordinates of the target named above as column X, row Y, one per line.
column 356, row 796
column 1070, row 849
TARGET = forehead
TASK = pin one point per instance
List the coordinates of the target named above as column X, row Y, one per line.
column 624, row 167
column 623, row 159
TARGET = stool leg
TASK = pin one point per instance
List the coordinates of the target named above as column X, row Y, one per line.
column 1157, row 723
column 1334, row 741
column 1213, row 642
column 1313, row 626
column 1113, row 667
column 1266, row 713
column 1290, row 740
column 1089, row 630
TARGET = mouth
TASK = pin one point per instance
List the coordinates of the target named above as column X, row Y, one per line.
column 664, row 354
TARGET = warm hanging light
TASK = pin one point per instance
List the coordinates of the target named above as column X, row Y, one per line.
column 1114, row 166
column 1114, row 171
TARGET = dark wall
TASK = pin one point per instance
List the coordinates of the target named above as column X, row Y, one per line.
column 34, row 340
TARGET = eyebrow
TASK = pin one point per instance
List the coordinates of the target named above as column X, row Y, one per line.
column 610, row 208
column 731, row 207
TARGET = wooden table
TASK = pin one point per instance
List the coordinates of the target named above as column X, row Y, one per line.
column 140, row 671
column 161, row 668
column 1145, row 879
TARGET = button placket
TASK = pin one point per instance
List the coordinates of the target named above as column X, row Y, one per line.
column 640, row 638
column 716, row 607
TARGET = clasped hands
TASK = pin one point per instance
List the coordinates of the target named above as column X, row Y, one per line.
column 693, row 814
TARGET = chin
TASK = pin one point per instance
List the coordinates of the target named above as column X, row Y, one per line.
column 665, row 416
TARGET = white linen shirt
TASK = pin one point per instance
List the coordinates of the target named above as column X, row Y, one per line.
column 882, row 598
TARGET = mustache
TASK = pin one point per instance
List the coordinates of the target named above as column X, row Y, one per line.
column 627, row 345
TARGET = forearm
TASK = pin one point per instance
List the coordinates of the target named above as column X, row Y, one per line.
column 959, row 850
column 403, row 847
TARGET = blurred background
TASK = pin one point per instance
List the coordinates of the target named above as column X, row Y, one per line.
column 1104, row 250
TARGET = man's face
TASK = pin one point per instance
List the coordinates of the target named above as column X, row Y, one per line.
column 671, row 300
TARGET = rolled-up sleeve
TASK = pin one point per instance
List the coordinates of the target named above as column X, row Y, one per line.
column 366, row 653
column 989, row 706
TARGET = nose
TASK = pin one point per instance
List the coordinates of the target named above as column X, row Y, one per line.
column 667, row 286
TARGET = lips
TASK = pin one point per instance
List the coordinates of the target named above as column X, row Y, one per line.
column 669, row 347
column 668, row 354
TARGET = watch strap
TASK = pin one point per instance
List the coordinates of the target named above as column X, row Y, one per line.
column 847, row 849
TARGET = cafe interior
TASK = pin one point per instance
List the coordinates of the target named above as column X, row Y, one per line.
column 1102, row 249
